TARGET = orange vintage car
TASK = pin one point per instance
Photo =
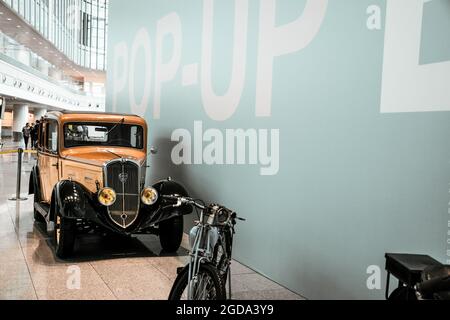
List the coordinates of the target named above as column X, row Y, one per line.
column 90, row 176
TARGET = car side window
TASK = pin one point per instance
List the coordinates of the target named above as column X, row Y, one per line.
column 41, row 142
column 136, row 135
column 51, row 144
column 133, row 138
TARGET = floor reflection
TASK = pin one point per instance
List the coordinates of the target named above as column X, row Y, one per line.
column 94, row 247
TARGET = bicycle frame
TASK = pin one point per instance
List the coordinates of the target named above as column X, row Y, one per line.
column 204, row 250
column 206, row 239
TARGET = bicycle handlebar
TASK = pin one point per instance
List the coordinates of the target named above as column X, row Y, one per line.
column 185, row 200
column 189, row 201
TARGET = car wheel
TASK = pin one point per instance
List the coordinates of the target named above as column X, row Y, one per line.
column 64, row 235
column 171, row 234
column 37, row 216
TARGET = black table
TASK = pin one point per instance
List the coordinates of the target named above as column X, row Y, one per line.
column 407, row 268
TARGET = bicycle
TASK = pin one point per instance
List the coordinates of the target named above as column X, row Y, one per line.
column 211, row 240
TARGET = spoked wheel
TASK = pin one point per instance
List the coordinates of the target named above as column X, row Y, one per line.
column 221, row 256
column 207, row 285
column 221, row 261
column 64, row 235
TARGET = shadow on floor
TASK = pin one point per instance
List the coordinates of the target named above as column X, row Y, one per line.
column 93, row 247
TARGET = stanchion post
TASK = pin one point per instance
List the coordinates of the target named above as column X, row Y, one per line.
column 19, row 177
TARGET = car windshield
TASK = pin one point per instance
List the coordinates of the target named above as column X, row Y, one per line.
column 103, row 134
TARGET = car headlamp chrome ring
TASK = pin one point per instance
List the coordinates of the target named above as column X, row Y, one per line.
column 149, row 196
column 107, row 197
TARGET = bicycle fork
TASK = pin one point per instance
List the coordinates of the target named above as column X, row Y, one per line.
column 194, row 264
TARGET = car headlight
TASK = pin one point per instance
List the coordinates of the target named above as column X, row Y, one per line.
column 107, row 197
column 149, row 196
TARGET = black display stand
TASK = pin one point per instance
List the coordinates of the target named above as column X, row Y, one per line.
column 407, row 268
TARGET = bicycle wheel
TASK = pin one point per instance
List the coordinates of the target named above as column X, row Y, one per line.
column 208, row 285
column 221, row 262
column 222, row 255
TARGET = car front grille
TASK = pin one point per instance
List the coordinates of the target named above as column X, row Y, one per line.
column 123, row 177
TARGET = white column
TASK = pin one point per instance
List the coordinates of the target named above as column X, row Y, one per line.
column 20, row 119
column 2, row 106
column 55, row 74
column 43, row 67
column 39, row 113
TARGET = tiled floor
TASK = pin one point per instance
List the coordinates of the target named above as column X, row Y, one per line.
column 108, row 268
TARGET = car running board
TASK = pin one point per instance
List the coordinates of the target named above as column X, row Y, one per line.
column 42, row 208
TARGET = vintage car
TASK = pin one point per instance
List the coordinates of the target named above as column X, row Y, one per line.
column 90, row 176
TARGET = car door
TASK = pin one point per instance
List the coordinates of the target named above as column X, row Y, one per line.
column 49, row 159
column 43, row 162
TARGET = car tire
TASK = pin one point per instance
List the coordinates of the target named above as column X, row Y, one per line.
column 63, row 235
column 171, row 234
column 37, row 216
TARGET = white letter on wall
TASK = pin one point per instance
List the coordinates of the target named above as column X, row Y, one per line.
column 408, row 86
column 374, row 19
column 181, row 153
column 374, row 280
column 221, row 108
column 119, row 78
column 282, row 40
column 142, row 40
column 164, row 72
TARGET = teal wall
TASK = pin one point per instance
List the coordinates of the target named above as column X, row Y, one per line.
column 361, row 105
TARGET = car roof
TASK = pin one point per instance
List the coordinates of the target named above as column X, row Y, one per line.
column 71, row 116
column 68, row 112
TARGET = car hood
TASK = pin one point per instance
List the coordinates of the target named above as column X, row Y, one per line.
column 100, row 156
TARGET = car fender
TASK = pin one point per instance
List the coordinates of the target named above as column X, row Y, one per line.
column 170, row 188
column 33, row 186
column 74, row 200
column 160, row 211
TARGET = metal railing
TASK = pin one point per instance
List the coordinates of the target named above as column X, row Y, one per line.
column 20, row 153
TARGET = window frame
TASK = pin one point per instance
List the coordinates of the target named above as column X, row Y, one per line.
column 45, row 137
column 106, row 144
